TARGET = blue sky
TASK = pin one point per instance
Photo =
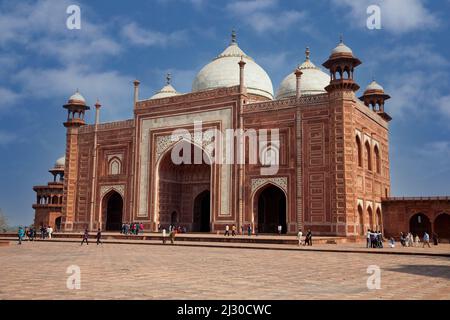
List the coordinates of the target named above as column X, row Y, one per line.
column 42, row 63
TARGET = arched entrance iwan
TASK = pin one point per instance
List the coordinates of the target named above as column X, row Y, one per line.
column 184, row 190
column 270, row 209
column 112, row 205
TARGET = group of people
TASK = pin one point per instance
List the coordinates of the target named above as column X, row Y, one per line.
column 31, row 233
column 409, row 240
column 132, row 228
column 374, row 239
column 308, row 238
column 98, row 237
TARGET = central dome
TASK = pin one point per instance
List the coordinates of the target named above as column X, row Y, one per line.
column 223, row 71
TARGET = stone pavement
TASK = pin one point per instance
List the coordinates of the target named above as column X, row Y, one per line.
column 124, row 271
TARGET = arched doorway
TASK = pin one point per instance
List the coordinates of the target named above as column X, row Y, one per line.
column 271, row 209
column 442, row 226
column 58, row 224
column 202, row 215
column 173, row 218
column 361, row 220
column 114, row 208
column 178, row 186
column 370, row 214
column 419, row 224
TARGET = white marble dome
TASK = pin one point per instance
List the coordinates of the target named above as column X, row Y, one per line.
column 77, row 97
column 312, row 81
column 223, row 71
column 341, row 48
column 374, row 86
column 167, row 91
column 61, row 162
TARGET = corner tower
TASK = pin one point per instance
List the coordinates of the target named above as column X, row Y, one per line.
column 76, row 108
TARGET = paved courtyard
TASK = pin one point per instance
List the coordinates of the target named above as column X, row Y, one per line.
column 125, row 271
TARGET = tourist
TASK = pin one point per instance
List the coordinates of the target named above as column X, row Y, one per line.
column 426, row 240
column 300, row 237
column 368, row 244
column 242, row 229
column 435, row 239
column 249, row 230
column 372, row 239
column 391, row 242
column 42, row 232
column 85, row 237
column 233, row 230
column 410, row 239
column 379, row 239
column 164, row 236
column 49, row 232
column 402, row 239
column 141, row 227
column 20, row 234
column 280, row 228
column 417, row 240
column 31, row 234
column 172, row 236
column 227, row 230
column 99, row 237
column 308, row 239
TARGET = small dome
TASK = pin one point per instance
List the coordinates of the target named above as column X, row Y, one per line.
column 77, row 98
column 167, row 91
column 374, row 86
column 61, row 162
column 312, row 81
column 341, row 48
column 223, row 71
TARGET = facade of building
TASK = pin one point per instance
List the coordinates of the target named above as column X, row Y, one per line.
column 332, row 151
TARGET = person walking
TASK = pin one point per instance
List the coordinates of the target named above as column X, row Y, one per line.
column 172, row 236
column 227, row 230
column 426, row 240
column 280, row 228
column 249, row 230
column 435, row 239
column 85, row 237
column 300, row 237
column 242, row 230
column 49, row 232
column 233, row 230
column 417, row 241
column 164, row 236
column 20, row 234
column 141, row 228
column 99, row 237
column 368, row 234
column 309, row 237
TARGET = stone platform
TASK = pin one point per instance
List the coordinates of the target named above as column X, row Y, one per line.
column 206, row 237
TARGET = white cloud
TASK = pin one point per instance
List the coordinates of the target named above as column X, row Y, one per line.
column 264, row 16
column 7, row 98
column 397, row 16
column 114, row 90
column 139, row 36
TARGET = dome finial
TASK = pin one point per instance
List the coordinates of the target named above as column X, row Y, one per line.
column 233, row 36
column 341, row 38
column 307, row 53
column 168, row 78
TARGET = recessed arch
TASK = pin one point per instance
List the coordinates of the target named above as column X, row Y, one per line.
column 270, row 208
column 112, row 207
column 361, row 220
column 358, row 151
column 442, row 226
column 368, row 155
column 376, row 152
column 419, row 223
column 179, row 187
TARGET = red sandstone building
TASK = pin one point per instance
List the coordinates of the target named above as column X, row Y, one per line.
column 333, row 175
